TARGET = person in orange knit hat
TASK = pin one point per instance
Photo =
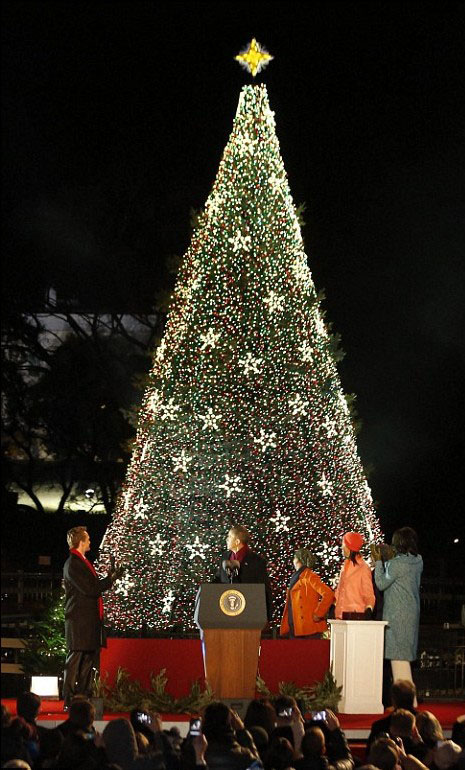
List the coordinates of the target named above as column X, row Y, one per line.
column 308, row 600
column 355, row 597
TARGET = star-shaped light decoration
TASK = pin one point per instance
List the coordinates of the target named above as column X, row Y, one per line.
column 210, row 419
column 124, row 586
column 181, row 461
column 280, row 522
column 141, row 509
column 168, row 600
column 160, row 354
column 168, row 410
column 240, row 242
column 326, row 486
column 329, row 553
column 306, row 351
column 275, row 302
column 266, row 440
column 250, row 363
column 156, row 401
column 254, row 58
column 157, row 546
column 231, row 484
column 298, row 405
column 209, row 338
column 197, row 549
column 329, row 426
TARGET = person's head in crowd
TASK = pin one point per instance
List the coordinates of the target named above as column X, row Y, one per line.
column 283, row 731
column 383, row 754
column 458, row 731
column 51, row 742
column 77, row 751
column 405, row 540
column 313, row 743
column 351, row 545
column 280, row 755
column 21, row 763
column 403, row 694
column 28, row 706
column 286, row 709
column 447, row 754
column 120, row 742
column 245, row 739
column 429, row 728
column 260, row 738
column 6, row 716
column 174, row 737
column 16, row 736
column 145, row 722
column 216, row 721
column 82, row 713
column 22, row 729
column 401, row 723
column 260, row 713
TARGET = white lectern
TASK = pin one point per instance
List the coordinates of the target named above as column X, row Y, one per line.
column 356, row 656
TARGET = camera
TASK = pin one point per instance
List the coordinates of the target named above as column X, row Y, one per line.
column 195, row 727
column 319, row 716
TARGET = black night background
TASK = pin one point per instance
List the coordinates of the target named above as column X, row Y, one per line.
column 115, row 116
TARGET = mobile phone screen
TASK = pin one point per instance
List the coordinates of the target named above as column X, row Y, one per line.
column 195, row 726
column 319, row 715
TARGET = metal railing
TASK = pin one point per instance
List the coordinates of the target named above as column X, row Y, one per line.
column 19, row 588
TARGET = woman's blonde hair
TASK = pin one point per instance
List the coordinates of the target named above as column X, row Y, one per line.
column 429, row 728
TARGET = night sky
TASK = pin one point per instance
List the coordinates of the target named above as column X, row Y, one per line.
column 115, row 116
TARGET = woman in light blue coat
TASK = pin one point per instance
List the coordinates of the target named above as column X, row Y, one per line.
column 399, row 578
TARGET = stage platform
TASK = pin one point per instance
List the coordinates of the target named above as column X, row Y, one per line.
column 302, row 661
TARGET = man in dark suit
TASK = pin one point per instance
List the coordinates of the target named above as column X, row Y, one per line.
column 242, row 565
column 83, row 615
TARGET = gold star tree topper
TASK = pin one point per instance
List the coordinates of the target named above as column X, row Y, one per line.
column 254, row 58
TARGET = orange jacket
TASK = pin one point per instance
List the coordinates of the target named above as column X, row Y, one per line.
column 354, row 592
column 308, row 597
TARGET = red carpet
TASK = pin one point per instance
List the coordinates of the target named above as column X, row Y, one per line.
column 356, row 726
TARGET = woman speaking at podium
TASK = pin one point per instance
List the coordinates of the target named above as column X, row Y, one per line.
column 308, row 600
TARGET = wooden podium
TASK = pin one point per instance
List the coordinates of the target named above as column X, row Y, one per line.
column 231, row 617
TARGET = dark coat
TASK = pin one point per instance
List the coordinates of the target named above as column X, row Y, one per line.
column 83, row 627
column 252, row 570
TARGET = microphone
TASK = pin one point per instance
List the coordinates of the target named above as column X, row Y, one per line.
column 231, row 567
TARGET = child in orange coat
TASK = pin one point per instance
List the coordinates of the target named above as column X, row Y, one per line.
column 354, row 592
column 308, row 599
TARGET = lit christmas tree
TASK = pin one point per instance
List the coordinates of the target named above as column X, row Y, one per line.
column 244, row 420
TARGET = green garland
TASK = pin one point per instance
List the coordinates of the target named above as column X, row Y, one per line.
column 322, row 695
column 126, row 694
